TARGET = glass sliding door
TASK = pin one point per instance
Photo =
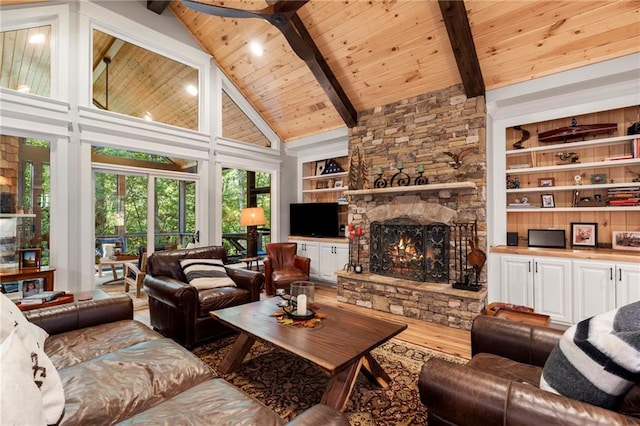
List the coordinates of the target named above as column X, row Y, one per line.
column 242, row 189
column 175, row 213
column 143, row 203
column 122, row 222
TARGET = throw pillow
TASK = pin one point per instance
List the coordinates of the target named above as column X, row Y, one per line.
column 43, row 372
column 21, row 402
column 206, row 274
column 598, row 359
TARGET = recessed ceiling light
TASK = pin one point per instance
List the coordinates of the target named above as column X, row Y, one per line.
column 256, row 48
column 24, row 88
column 37, row 38
column 192, row 90
column 148, row 116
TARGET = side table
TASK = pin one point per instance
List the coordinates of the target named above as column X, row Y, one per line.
column 249, row 261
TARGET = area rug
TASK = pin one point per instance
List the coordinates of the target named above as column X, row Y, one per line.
column 289, row 385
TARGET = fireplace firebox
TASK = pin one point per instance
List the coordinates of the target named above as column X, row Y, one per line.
column 402, row 248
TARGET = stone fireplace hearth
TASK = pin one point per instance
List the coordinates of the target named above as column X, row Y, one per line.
column 402, row 292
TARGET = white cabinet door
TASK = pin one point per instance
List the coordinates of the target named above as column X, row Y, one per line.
column 594, row 290
column 627, row 283
column 309, row 249
column 327, row 262
column 333, row 256
column 342, row 254
column 552, row 288
column 517, row 280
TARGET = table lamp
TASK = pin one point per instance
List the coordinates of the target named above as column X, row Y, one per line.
column 252, row 217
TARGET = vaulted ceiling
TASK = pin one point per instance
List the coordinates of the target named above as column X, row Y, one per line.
column 385, row 51
column 377, row 52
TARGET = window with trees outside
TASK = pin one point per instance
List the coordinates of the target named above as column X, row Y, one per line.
column 241, row 189
column 122, row 197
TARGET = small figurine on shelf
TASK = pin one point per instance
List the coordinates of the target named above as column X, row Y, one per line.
column 568, row 157
column 577, row 180
column 516, row 182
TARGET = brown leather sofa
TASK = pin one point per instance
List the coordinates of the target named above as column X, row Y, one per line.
column 282, row 266
column 499, row 386
column 117, row 370
column 180, row 311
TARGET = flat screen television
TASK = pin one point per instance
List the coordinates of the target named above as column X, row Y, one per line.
column 314, row 220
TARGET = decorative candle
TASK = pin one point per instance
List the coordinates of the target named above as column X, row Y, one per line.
column 400, row 164
column 379, row 170
column 421, row 168
column 302, row 304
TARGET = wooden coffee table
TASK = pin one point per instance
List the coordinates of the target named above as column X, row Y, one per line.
column 340, row 344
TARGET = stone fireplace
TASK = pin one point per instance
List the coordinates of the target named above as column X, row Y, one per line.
column 405, row 252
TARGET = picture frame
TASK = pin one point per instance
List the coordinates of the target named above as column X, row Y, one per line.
column 623, row 240
column 584, row 234
column 29, row 258
column 548, row 201
column 32, row 286
column 338, row 184
column 322, row 185
column 598, row 179
column 546, row 182
column 320, row 166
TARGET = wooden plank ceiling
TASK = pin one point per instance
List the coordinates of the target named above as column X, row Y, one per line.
column 385, row 51
column 380, row 51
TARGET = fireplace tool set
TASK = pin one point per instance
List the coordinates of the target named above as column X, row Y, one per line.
column 354, row 243
column 468, row 258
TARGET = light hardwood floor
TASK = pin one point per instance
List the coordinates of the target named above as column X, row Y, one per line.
column 421, row 333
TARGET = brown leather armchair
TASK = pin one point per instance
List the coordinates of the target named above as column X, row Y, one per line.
column 499, row 386
column 282, row 266
column 179, row 310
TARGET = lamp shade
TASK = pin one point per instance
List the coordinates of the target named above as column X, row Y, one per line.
column 252, row 216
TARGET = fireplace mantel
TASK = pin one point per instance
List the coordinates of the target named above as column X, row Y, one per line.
column 412, row 188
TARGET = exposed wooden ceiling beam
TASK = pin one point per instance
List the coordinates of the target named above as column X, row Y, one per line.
column 455, row 18
column 157, row 6
column 327, row 80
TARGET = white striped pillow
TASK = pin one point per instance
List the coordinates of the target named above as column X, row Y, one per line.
column 206, row 274
column 598, row 359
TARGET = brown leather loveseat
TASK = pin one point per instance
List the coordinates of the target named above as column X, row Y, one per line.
column 115, row 370
column 179, row 310
column 500, row 385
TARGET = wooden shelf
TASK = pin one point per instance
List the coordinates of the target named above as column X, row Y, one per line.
column 572, row 145
column 574, row 166
column 574, row 209
column 326, row 177
column 18, row 215
column 316, row 191
column 412, row 188
column 573, row 187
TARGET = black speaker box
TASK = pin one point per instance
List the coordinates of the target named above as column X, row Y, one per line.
column 552, row 238
column 512, row 238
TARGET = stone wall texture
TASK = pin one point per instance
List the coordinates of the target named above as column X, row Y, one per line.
column 439, row 304
column 428, row 129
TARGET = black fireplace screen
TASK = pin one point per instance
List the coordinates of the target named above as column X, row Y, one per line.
column 405, row 249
